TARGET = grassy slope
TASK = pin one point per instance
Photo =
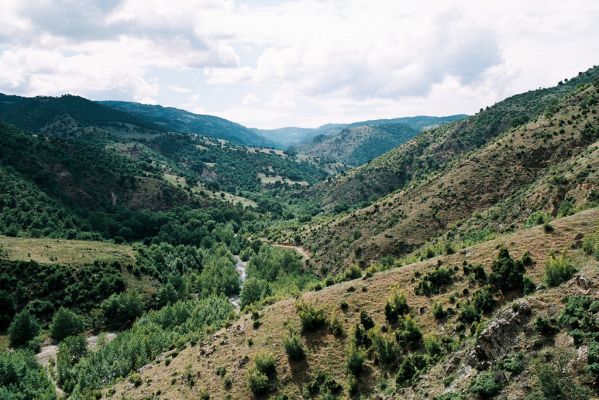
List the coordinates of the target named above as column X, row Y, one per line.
column 522, row 161
column 64, row 252
column 229, row 347
column 433, row 150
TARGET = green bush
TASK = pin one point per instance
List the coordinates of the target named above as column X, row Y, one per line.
column 23, row 328
column 591, row 245
column 311, row 317
column 22, row 378
column 266, row 363
column 487, row 384
column 366, row 320
column 558, row 270
column 396, row 306
column 507, row 273
column 385, row 347
column 355, row 360
column 322, row 384
column 66, row 323
column 555, row 380
column 121, row 310
column 294, row 347
column 435, row 281
column 70, row 351
column 254, row 290
column 258, row 382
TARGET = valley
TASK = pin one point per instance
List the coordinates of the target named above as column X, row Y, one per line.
column 148, row 252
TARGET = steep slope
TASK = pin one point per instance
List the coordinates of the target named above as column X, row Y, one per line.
column 70, row 115
column 357, row 145
column 521, row 161
column 174, row 119
column 433, row 150
column 220, row 366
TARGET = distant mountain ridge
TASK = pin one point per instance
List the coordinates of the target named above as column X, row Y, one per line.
column 294, row 136
column 175, row 119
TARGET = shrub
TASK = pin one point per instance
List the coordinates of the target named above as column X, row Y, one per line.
column 311, row 317
column 407, row 370
column 70, row 351
column 121, row 310
column 545, row 327
column 22, row 378
column 323, row 384
column 507, row 273
column 487, row 384
column 396, row 306
column 438, row 311
column 294, row 347
column 66, row 323
column 7, row 308
column 590, row 245
column 548, row 228
column 409, row 334
column 266, row 363
column 334, row 325
column 554, row 379
column 558, row 270
column 23, row 328
column 433, row 282
column 514, row 364
column 355, row 360
column 385, row 347
column 254, row 290
column 258, row 382
column 366, row 320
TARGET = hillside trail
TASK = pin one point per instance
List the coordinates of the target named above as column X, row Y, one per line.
column 300, row 250
column 49, row 350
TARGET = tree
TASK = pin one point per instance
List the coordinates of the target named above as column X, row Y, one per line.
column 7, row 308
column 66, row 323
column 70, row 351
column 22, row 329
column 122, row 309
column 507, row 273
column 254, row 290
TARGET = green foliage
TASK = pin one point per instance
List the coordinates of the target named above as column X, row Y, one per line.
column 22, row 378
column 262, row 374
column 311, row 317
column 23, row 328
column 396, row 306
column 355, row 360
column 555, row 380
column 294, row 347
column 514, row 364
column 70, row 351
column 591, row 244
column 507, row 273
column 266, row 363
column 254, row 290
column 66, row 323
column 558, row 270
column 121, row 310
column 408, row 335
column 487, row 384
column 258, row 382
column 150, row 336
column 323, row 384
column 8, row 308
column 43, row 289
column 435, row 281
column 366, row 320
column 385, row 347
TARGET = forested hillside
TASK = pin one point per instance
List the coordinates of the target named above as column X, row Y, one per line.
column 174, row 119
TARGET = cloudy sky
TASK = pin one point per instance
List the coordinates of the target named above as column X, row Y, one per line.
column 272, row 63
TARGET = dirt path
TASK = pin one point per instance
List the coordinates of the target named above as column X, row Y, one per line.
column 302, row 251
column 50, row 350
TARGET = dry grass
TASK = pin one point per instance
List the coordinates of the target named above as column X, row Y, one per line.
column 229, row 347
column 66, row 252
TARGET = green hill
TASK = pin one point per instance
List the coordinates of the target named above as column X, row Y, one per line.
column 174, row 119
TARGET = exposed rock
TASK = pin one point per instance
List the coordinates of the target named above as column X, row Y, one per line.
column 500, row 336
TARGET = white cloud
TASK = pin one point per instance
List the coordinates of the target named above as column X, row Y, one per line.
column 302, row 62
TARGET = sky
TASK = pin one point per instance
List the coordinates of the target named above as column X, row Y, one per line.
column 271, row 63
